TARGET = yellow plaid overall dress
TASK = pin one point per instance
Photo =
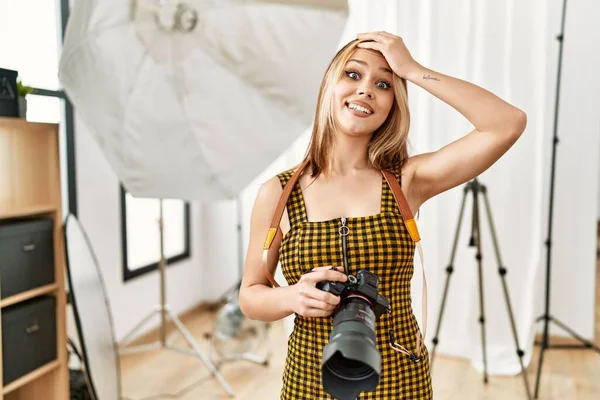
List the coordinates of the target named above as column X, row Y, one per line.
column 379, row 243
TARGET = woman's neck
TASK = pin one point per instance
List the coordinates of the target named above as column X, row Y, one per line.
column 349, row 155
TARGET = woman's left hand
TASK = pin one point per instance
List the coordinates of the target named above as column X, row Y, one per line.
column 393, row 49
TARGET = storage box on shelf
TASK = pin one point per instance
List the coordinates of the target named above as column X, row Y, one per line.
column 32, row 266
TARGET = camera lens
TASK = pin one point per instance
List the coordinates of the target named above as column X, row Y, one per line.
column 347, row 368
column 351, row 361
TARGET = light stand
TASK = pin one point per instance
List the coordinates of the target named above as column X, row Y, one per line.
column 240, row 237
column 475, row 241
column 165, row 313
column 231, row 313
column 546, row 317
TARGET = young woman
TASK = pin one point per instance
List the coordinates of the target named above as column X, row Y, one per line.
column 361, row 128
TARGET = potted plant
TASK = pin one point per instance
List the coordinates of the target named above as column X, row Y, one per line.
column 23, row 91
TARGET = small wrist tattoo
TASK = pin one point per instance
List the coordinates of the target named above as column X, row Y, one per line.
column 428, row 77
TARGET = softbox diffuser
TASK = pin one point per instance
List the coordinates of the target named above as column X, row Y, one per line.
column 192, row 100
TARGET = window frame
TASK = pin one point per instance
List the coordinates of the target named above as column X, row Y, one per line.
column 65, row 12
column 129, row 274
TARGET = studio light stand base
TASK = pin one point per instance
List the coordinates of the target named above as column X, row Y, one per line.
column 234, row 291
column 164, row 312
column 585, row 344
column 242, row 356
column 194, row 351
column 545, row 345
column 246, row 357
column 250, row 357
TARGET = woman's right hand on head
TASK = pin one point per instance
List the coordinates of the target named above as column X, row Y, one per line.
column 309, row 301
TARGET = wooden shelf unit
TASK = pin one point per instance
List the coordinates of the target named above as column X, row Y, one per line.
column 30, row 188
column 30, row 294
column 27, row 211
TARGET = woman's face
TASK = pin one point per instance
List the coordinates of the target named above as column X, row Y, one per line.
column 364, row 95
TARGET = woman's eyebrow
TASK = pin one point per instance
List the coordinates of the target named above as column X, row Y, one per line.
column 389, row 71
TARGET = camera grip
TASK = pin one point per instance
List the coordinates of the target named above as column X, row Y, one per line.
column 333, row 287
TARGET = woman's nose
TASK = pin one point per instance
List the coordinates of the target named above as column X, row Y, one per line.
column 363, row 91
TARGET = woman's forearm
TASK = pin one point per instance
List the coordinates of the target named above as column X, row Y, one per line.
column 263, row 303
column 486, row 111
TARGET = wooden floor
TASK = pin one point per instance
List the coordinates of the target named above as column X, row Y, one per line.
column 568, row 374
column 164, row 374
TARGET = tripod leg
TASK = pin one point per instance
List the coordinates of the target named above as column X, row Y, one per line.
column 585, row 343
column 247, row 357
column 543, row 349
column 198, row 352
column 449, row 270
column 129, row 336
column 478, row 256
column 502, row 272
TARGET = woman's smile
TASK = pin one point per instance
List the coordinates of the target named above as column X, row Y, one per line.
column 359, row 109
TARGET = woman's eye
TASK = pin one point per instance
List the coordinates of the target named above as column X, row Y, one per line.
column 383, row 85
column 352, row 75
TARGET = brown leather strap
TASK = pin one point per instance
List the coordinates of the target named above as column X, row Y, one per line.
column 287, row 191
column 405, row 211
column 413, row 231
column 409, row 222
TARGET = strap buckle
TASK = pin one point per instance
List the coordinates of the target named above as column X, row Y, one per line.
column 411, row 356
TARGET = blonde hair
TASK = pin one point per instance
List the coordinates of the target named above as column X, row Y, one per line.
column 388, row 148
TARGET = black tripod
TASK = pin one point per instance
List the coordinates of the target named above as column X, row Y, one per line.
column 475, row 241
column 547, row 318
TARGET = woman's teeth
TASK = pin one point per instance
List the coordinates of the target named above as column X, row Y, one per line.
column 353, row 106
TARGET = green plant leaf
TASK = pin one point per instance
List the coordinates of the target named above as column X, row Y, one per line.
column 23, row 90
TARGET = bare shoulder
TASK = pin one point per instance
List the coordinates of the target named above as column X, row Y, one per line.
column 271, row 190
column 269, row 194
column 267, row 199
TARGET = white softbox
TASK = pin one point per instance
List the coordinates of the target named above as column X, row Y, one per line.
column 193, row 99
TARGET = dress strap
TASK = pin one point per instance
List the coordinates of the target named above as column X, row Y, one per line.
column 292, row 191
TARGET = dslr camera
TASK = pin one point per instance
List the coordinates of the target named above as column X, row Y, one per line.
column 351, row 362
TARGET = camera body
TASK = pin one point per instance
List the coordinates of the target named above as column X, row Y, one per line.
column 364, row 285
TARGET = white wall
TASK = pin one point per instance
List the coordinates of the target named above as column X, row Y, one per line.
column 100, row 214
